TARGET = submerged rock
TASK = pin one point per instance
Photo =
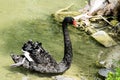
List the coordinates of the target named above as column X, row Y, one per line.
column 25, row 78
column 110, row 62
column 113, row 57
column 63, row 78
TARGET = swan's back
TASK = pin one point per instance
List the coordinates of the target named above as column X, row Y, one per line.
column 43, row 61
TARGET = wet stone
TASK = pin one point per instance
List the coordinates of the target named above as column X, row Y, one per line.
column 62, row 78
column 104, row 72
column 103, row 38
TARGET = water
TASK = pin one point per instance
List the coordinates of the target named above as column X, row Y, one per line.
column 21, row 20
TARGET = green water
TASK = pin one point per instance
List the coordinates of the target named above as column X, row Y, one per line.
column 21, row 20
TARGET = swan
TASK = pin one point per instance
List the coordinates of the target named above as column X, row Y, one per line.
column 36, row 58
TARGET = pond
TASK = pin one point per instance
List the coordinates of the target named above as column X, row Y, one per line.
column 21, row 20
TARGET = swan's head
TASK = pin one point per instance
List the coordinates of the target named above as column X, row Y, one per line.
column 69, row 20
column 17, row 58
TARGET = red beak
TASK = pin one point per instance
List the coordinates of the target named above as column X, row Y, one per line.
column 74, row 23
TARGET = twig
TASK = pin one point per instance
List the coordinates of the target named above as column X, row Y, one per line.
column 105, row 20
column 64, row 9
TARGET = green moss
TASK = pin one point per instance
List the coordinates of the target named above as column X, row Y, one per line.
column 114, row 76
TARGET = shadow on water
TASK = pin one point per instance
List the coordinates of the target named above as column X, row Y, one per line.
column 21, row 70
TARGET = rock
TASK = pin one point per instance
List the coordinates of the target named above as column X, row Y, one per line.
column 103, row 38
column 25, row 78
column 63, row 78
column 104, row 72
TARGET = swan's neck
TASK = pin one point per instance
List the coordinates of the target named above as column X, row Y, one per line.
column 67, row 46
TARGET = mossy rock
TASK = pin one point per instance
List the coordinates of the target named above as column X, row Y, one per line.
column 103, row 38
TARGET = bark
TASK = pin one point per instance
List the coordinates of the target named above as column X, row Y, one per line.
column 102, row 7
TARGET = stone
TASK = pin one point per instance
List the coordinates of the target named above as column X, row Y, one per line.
column 63, row 78
column 103, row 38
column 104, row 72
column 25, row 78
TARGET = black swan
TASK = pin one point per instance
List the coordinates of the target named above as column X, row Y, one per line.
column 37, row 59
